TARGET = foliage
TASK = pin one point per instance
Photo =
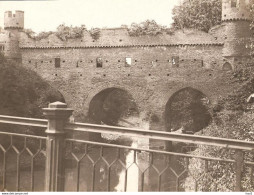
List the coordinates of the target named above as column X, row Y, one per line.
column 197, row 14
column 30, row 33
column 95, row 33
column 63, row 32
column 23, row 92
column 234, row 121
column 149, row 27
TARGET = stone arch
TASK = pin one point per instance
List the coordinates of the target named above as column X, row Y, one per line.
column 227, row 66
column 187, row 109
column 113, row 106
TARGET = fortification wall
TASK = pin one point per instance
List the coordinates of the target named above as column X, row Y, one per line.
column 120, row 38
column 151, row 78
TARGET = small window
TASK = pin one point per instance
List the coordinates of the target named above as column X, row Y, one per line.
column 57, row 62
column 233, row 3
column 227, row 66
column 99, row 63
column 128, row 61
column 175, row 61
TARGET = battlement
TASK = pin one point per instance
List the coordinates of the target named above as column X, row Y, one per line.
column 14, row 20
column 236, row 10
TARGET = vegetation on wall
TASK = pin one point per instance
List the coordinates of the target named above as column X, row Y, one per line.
column 197, row 14
column 69, row 32
column 63, row 32
column 148, row 27
column 95, row 33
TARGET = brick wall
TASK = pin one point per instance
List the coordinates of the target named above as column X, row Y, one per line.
column 151, row 79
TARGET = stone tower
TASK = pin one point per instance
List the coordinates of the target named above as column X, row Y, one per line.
column 13, row 24
column 237, row 18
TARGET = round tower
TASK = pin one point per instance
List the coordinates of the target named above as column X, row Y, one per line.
column 13, row 24
column 236, row 17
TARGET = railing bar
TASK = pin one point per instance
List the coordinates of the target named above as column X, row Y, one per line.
column 151, row 151
column 222, row 142
column 32, row 174
column 125, row 181
column 251, row 175
column 159, row 183
column 206, row 166
column 93, row 178
column 23, row 135
column 23, row 121
column 4, row 171
column 142, row 181
column 108, row 180
column 196, row 186
column 177, row 184
column 18, row 172
column 78, row 175
column 249, row 163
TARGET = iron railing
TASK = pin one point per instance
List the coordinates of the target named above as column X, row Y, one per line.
column 69, row 163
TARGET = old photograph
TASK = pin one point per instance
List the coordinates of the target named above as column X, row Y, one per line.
column 127, row 96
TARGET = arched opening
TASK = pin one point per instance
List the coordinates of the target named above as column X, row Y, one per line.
column 187, row 111
column 113, row 106
column 227, row 66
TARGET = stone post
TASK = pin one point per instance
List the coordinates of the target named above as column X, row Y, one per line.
column 57, row 114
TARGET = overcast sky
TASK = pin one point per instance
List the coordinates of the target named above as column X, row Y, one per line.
column 47, row 15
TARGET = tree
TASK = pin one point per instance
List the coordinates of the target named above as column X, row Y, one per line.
column 197, row 14
column 149, row 27
column 23, row 92
column 234, row 121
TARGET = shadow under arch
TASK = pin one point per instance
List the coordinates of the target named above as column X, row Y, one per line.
column 113, row 106
column 187, row 110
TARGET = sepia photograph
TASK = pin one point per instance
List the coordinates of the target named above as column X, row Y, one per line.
column 126, row 96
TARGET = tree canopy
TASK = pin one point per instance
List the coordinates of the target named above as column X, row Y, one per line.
column 23, row 92
column 198, row 14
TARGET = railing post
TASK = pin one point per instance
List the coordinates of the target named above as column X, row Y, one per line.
column 57, row 114
column 239, row 162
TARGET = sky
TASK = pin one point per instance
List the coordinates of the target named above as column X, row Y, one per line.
column 47, row 15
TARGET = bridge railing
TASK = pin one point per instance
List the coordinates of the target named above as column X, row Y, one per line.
column 74, row 164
